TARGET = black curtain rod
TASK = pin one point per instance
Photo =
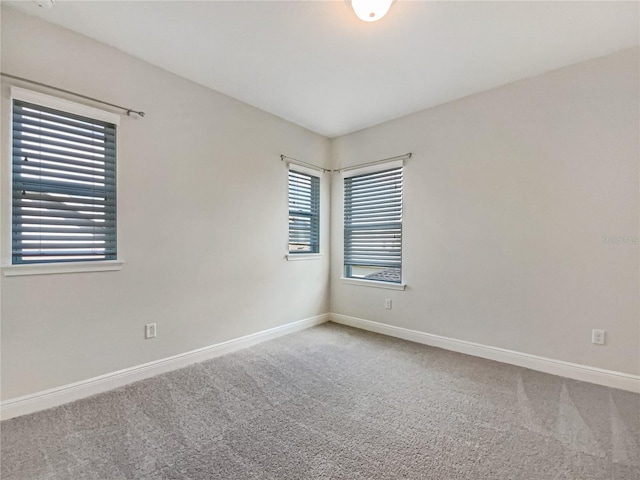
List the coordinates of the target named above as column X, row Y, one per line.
column 128, row 110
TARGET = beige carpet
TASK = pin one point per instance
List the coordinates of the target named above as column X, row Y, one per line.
column 335, row 403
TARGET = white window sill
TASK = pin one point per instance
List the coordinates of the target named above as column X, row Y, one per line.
column 302, row 256
column 70, row 267
column 374, row 283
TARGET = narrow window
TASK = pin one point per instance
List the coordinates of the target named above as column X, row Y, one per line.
column 304, row 213
column 63, row 186
column 373, row 226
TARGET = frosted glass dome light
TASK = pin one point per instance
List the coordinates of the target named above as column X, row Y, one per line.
column 371, row 10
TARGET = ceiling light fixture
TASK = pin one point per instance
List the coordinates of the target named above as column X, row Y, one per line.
column 371, row 10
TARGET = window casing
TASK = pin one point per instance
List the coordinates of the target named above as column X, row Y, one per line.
column 304, row 213
column 373, row 225
column 63, row 185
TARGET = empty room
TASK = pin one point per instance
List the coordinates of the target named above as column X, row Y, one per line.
column 350, row 239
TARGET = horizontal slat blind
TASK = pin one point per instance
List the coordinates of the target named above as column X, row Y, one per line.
column 64, row 186
column 373, row 220
column 304, row 213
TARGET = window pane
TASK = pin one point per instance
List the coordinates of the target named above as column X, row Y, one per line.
column 373, row 226
column 64, row 186
column 304, row 213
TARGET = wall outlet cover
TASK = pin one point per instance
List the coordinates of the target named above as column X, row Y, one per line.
column 150, row 330
column 598, row 336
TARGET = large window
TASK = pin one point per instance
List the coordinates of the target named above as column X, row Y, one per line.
column 304, row 213
column 63, row 185
column 373, row 225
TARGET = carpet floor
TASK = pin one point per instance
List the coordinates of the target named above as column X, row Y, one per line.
column 333, row 402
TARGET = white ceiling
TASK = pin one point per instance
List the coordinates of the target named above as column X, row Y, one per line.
column 315, row 64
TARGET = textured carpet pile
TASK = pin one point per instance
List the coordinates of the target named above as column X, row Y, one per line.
column 335, row 403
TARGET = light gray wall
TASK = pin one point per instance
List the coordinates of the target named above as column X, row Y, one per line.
column 202, row 222
column 508, row 196
column 507, row 199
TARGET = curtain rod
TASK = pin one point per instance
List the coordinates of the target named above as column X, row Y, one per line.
column 300, row 162
column 128, row 110
column 375, row 162
column 345, row 169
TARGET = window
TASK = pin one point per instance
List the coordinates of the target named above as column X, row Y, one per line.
column 373, row 225
column 63, row 183
column 304, row 213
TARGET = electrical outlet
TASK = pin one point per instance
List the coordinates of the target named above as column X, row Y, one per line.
column 387, row 303
column 150, row 330
column 597, row 336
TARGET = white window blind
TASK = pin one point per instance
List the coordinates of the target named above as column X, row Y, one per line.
column 64, row 186
column 373, row 226
column 304, row 213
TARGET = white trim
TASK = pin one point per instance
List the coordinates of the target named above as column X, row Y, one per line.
column 608, row 378
column 53, row 397
column 291, row 257
column 373, row 283
column 64, row 105
column 378, row 167
column 64, row 267
column 296, row 167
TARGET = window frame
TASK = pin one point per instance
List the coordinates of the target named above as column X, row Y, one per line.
column 357, row 172
column 7, row 267
column 292, row 255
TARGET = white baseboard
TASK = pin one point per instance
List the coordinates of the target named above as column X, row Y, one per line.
column 574, row 371
column 67, row 393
